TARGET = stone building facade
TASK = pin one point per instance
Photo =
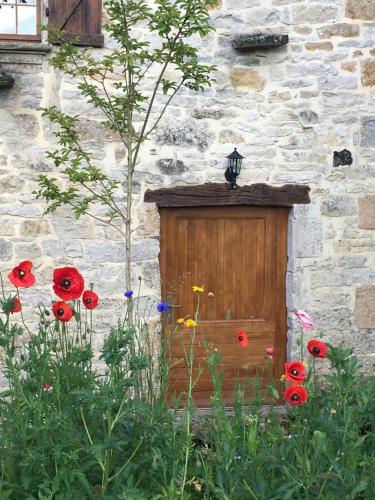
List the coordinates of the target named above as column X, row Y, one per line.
column 287, row 109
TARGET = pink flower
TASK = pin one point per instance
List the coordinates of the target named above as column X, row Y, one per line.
column 270, row 351
column 306, row 320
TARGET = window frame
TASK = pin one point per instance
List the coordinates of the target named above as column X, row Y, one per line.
column 27, row 38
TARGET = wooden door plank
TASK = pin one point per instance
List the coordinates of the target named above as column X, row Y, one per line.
column 200, row 263
column 212, row 269
column 242, row 284
column 219, row 289
column 182, row 265
column 260, row 269
column 229, row 272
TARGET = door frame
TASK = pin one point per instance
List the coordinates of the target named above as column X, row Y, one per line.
column 220, row 195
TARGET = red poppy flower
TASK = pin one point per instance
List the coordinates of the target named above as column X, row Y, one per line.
column 242, row 338
column 317, row 348
column 270, row 351
column 21, row 275
column 90, row 299
column 62, row 311
column 16, row 305
column 296, row 395
column 295, row 372
column 68, row 283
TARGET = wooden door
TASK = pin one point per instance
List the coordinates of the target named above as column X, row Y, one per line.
column 239, row 254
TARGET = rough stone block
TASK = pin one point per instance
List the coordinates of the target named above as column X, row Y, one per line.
column 186, row 133
column 249, row 41
column 212, row 114
column 342, row 277
column 308, row 117
column 340, row 29
column 171, row 166
column 5, row 250
column 334, row 318
column 349, row 66
column 331, row 82
column 230, row 136
column 145, row 250
column 148, row 221
column 309, row 238
column 368, row 131
column 105, row 252
column 314, row 13
column 72, row 248
column 366, row 212
column 368, row 73
column 29, row 251
column 338, row 206
column 81, row 228
column 361, row 9
column 364, row 310
column 151, row 274
column 34, row 228
column 246, row 78
column 319, row 46
column 352, row 261
column 21, row 210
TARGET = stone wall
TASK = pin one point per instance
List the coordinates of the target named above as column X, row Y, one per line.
column 287, row 109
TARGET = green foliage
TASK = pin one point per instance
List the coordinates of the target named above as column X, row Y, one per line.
column 72, row 428
column 117, row 84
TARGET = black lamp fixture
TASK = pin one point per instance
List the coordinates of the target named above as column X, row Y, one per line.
column 234, row 168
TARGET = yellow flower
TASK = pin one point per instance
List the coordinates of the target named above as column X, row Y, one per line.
column 198, row 289
column 282, row 378
column 180, row 321
column 190, row 323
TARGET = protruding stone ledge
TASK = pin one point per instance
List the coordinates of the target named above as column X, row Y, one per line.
column 25, row 48
column 251, row 41
column 212, row 194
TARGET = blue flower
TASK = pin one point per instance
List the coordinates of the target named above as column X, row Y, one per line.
column 163, row 307
column 129, row 294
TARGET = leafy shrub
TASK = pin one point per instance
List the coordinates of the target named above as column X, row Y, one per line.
column 70, row 428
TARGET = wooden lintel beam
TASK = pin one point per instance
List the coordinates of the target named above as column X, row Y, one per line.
column 212, row 194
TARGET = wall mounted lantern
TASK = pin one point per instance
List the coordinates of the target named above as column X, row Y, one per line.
column 234, row 168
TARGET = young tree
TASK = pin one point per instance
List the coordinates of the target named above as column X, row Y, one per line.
column 115, row 85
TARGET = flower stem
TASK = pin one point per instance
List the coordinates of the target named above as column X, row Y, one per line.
column 190, row 362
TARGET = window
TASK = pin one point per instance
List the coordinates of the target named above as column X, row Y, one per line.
column 19, row 20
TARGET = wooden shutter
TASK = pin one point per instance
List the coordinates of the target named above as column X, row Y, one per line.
column 78, row 19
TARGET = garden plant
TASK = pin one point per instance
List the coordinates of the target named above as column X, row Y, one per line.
column 131, row 90
column 73, row 429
